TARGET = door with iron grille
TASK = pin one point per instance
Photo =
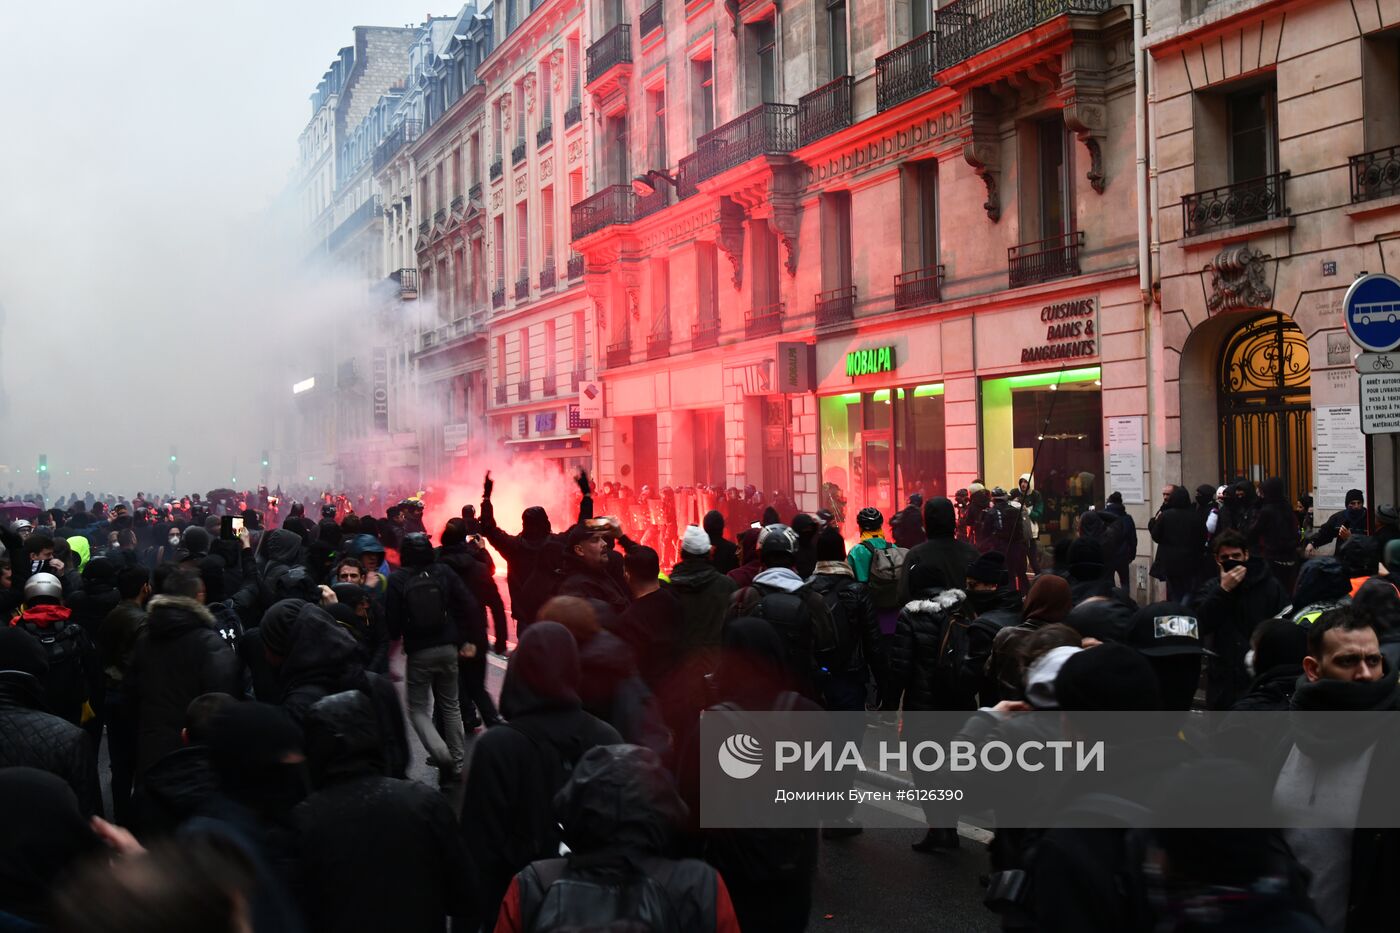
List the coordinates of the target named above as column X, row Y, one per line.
column 1264, row 404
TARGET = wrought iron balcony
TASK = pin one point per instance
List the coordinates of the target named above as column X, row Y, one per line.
column 704, row 334
column 498, row 297
column 496, row 169
column 573, row 114
column 648, row 204
column 369, row 209
column 688, row 176
column 544, row 134
column 620, row 353
column 919, row 287
column 474, row 193
column 522, row 390
column 1052, row 258
column 440, row 216
column 522, row 286
column 761, row 322
column 459, row 204
column 651, row 20
column 500, row 395
column 836, row 306
column 906, row 72
column 576, row 378
column 547, row 276
column 659, row 340
column 1375, row 174
column 615, row 204
column 1247, row 202
column 967, row 27
column 517, row 155
column 576, row 267
column 613, row 49
column 400, row 136
column 824, row 111
column 408, row 282
column 549, row 386
column 766, row 129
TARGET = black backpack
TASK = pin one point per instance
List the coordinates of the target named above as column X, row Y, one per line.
column 791, row 618
column 65, row 684
column 425, row 605
column 963, row 649
column 838, row 658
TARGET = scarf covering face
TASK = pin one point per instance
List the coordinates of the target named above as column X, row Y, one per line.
column 1335, row 736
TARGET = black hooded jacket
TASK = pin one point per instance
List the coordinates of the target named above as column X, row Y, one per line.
column 726, row 552
column 578, row 579
column 1180, row 533
column 532, row 557
column 179, row 656
column 1273, row 535
column 1229, row 618
column 950, row 555
column 479, row 581
column 507, row 816
column 465, row 621
column 33, row 738
column 344, row 830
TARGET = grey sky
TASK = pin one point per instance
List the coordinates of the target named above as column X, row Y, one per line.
column 142, row 292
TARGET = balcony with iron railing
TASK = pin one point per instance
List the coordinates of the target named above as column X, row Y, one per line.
column 498, row 297
column 459, row 204
column 1375, row 174
column 517, row 155
column 824, row 111
column 615, row 204
column 764, row 321
column 1055, row 257
column 403, row 134
column 620, row 353
column 837, row 306
column 768, row 129
column 547, row 276
column 549, row 386
column 704, row 334
column 688, row 176
column 659, row 340
column 918, row 287
column 906, row 72
column 544, row 135
column 369, row 209
column 1228, row 206
column 500, row 395
column 573, row 114
column 652, row 19
column 645, row 205
column 522, row 390
column 609, row 57
column 968, row 27
column 408, row 282
column 576, row 267
column 497, row 169
column 522, row 286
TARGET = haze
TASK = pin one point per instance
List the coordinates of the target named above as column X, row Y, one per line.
column 149, row 290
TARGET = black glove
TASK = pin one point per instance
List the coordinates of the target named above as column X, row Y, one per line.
column 487, row 486
column 582, row 480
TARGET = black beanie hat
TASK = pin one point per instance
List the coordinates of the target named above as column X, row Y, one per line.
column 830, row 545
column 1108, row 677
column 988, row 568
column 926, row 577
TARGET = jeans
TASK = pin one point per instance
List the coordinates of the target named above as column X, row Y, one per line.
column 432, row 674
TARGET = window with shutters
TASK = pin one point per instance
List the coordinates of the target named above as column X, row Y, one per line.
column 547, row 224
column 522, row 239
column 551, row 348
column 500, row 251
column 546, row 93
column 575, row 75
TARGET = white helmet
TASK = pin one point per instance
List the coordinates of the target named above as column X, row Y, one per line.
column 43, row 586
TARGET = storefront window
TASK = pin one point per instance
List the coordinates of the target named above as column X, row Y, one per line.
column 879, row 447
column 1049, row 425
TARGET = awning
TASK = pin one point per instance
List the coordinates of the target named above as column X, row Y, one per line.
column 565, row 445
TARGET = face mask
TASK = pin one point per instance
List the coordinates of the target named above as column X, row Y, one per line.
column 174, row 541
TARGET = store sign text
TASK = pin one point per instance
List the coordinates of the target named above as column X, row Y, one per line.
column 873, row 360
column 1070, row 332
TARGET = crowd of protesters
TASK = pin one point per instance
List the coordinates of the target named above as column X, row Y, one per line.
column 242, row 674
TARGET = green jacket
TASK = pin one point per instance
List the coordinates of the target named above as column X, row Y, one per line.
column 859, row 556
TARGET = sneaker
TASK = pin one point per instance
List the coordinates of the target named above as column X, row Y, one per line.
column 471, row 725
column 499, row 650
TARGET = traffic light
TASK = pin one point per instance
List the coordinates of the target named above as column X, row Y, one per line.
column 43, row 463
column 264, row 459
column 172, row 458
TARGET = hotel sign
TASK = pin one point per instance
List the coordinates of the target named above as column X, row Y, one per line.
column 868, row 361
column 1071, row 332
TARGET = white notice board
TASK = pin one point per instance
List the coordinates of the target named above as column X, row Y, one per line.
column 1341, row 454
column 1125, row 458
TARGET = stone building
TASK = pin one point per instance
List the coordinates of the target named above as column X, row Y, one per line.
column 850, row 251
column 1274, row 129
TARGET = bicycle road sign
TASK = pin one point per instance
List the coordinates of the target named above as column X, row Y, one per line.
column 1371, row 312
column 1380, row 403
column 1377, row 362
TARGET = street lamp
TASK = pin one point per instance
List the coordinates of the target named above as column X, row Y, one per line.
column 644, row 186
